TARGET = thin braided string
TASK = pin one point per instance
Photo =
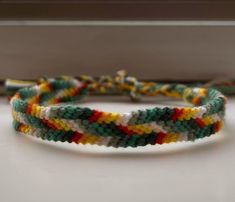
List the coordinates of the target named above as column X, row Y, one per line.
column 35, row 112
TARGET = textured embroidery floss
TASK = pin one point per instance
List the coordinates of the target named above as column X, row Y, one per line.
column 35, row 112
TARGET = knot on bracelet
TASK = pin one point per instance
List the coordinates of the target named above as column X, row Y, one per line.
column 121, row 83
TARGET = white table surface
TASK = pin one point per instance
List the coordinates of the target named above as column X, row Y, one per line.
column 34, row 171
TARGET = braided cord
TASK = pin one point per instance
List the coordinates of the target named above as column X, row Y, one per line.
column 36, row 112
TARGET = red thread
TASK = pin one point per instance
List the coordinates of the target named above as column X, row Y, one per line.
column 160, row 138
column 126, row 130
column 29, row 109
column 76, row 137
column 200, row 123
column 177, row 113
column 94, row 117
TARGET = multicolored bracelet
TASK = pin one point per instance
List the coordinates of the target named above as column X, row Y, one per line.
column 36, row 111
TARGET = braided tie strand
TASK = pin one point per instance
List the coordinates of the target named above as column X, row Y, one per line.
column 36, row 112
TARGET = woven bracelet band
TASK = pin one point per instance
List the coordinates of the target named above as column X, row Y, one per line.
column 36, row 112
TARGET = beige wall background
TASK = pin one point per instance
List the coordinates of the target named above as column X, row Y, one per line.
column 155, row 51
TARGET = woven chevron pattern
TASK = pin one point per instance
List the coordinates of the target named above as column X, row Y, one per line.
column 36, row 111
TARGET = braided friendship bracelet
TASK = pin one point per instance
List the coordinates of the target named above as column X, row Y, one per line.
column 36, row 113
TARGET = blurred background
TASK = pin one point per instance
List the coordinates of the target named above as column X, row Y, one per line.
column 154, row 39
